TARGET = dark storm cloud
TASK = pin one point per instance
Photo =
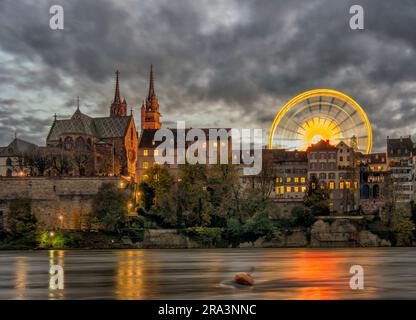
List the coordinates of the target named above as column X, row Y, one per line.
column 230, row 63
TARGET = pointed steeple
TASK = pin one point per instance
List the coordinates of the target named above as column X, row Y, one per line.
column 117, row 91
column 151, row 83
column 118, row 107
column 150, row 109
column 78, row 103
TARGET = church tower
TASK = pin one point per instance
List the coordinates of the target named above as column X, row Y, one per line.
column 150, row 116
column 118, row 108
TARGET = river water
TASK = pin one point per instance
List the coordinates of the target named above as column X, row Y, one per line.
column 389, row 273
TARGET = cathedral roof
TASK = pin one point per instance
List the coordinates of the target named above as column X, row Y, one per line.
column 79, row 123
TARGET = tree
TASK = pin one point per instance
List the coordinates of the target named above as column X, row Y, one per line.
column 402, row 225
column 38, row 161
column 61, row 162
column 110, row 207
column 302, row 217
column 23, row 225
column 80, row 160
column 317, row 198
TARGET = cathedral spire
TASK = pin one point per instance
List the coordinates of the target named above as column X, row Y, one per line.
column 151, row 84
column 150, row 113
column 118, row 107
column 77, row 103
column 117, row 91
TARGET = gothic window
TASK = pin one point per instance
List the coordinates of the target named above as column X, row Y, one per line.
column 68, row 144
column 80, row 144
column 8, row 162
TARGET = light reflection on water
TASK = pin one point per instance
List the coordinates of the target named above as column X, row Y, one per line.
column 390, row 273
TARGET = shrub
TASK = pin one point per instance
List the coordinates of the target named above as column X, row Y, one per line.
column 258, row 226
column 204, row 235
column 302, row 217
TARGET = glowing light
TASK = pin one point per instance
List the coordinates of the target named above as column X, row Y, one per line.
column 321, row 114
column 51, row 234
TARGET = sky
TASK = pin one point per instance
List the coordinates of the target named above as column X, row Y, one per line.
column 217, row 63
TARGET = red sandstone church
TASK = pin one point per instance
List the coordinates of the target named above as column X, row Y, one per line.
column 111, row 142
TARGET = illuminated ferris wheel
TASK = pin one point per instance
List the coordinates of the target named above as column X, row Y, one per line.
column 321, row 114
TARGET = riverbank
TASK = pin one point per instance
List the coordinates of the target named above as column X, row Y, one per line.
column 324, row 233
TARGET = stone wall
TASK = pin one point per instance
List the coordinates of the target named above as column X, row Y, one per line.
column 56, row 202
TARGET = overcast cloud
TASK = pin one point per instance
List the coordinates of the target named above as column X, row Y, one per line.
column 217, row 63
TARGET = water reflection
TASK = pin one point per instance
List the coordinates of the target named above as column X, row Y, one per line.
column 20, row 277
column 207, row 274
column 129, row 278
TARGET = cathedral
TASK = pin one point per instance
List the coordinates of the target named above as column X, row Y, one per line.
column 106, row 145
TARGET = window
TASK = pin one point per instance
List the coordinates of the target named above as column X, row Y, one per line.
column 331, row 175
column 322, row 176
column 341, row 159
column 302, row 179
column 288, row 189
column 156, row 152
column 288, row 179
column 303, row 189
column 348, row 184
column 8, row 162
column 145, row 164
column 296, row 180
column 296, row 189
column 145, row 152
column 341, row 185
column 331, row 185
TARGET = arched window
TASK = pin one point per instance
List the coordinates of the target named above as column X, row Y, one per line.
column 80, row 144
column 69, row 143
column 8, row 162
column 376, row 191
column 365, row 191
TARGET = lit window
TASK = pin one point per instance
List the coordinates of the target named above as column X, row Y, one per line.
column 288, row 189
column 355, row 184
column 288, row 179
column 341, row 185
column 348, row 184
column 296, row 180
column 156, row 152
column 145, row 152
column 303, row 189
column 379, row 168
column 296, row 189
column 282, row 190
column 303, row 180
column 372, row 168
column 331, row 185
column 145, row 164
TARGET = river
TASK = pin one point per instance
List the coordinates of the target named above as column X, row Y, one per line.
column 389, row 273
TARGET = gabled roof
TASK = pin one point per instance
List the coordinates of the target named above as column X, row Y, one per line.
column 79, row 123
column 17, row 147
column 322, row 145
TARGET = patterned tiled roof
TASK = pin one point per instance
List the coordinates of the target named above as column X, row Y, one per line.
column 106, row 127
